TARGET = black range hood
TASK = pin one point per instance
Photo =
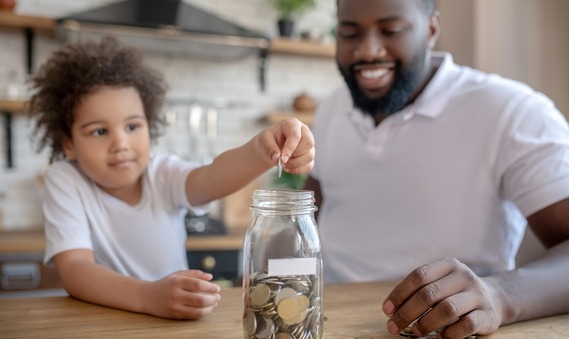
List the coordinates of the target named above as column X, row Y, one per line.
column 166, row 26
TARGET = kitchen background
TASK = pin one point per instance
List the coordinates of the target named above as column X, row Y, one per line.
column 526, row 40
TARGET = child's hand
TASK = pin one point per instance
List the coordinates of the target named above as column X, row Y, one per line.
column 292, row 141
column 183, row 295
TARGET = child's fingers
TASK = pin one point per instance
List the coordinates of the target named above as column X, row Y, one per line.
column 298, row 141
column 199, row 274
column 300, row 164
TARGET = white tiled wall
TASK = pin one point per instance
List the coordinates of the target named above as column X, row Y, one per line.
column 190, row 80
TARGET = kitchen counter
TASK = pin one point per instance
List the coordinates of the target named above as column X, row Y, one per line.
column 350, row 310
column 219, row 255
column 22, row 242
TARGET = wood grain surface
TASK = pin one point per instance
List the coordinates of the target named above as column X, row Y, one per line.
column 350, row 310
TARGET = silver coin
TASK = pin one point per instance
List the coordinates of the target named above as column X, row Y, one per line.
column 265, row 328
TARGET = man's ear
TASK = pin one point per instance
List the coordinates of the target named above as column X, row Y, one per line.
column 68, row 149
column 434, row 29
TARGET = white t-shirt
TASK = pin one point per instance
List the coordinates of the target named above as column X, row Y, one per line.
column 452, row 175
column 146, row 241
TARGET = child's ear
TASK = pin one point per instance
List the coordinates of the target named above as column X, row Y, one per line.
column 68, row 149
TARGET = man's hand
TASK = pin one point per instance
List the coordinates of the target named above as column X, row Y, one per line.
column 455, row 302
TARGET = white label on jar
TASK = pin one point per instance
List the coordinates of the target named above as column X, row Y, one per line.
column 292, row 266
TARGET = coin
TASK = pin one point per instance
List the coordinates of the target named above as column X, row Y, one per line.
column 286, row 292
column 303, row 302
column 250, row 322
column 288, row 309
column 265, row 328
column 260, row 294
column 280, row 169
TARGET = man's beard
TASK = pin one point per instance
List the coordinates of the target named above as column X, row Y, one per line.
column 406, row 81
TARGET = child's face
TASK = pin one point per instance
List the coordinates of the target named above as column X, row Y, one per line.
column 110, row 139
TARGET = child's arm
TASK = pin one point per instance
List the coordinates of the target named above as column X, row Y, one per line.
column 232, row 170
column 181, row 295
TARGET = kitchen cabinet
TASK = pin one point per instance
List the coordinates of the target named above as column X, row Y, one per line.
column 224, row 265
column 26, row 272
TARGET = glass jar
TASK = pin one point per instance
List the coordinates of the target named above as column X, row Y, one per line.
column 282, row 267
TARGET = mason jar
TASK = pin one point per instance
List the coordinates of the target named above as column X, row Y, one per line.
column 282, row 267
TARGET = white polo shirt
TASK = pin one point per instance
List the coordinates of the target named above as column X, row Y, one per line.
column 452, row 175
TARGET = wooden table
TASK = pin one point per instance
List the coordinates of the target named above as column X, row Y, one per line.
column 350, row 310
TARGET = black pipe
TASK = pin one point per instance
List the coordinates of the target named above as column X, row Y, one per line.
column 30, row 35
column 262, row 66
column 8, row 139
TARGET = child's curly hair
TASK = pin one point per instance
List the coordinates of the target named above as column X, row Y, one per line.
column 77, row 70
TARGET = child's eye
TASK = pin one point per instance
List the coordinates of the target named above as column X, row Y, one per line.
column 132, row 127
column 99, row 132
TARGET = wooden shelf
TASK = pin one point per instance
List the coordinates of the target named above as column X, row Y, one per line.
column 12, row 106
column 274, row 117
column 227, row 242
column 302, row 47
column 278, row 45
column 12, row 20
column 33, row 241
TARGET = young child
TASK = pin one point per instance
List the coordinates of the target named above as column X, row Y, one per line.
column 113, row 211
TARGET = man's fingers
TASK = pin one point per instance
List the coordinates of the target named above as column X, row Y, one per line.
column 420, row 277
column 469, row 324
column 445, row 312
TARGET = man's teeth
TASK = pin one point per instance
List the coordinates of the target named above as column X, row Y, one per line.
column 374, row 73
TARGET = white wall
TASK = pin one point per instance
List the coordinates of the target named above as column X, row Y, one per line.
column 527, row 40
column 191, row 80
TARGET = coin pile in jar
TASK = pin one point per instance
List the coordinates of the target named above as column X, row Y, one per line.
column 282, row 307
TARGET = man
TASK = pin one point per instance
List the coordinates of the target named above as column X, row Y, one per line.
column 429, row 172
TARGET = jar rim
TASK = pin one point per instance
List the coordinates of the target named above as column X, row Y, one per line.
column 277, row 192
column 283, row 200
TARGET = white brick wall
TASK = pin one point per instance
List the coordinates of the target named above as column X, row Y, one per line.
column 190, row 80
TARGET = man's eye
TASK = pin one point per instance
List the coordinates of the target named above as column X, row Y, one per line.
column 393, row 31
column 347, row 34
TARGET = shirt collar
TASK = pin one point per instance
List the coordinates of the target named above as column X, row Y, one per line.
column 432, row 101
